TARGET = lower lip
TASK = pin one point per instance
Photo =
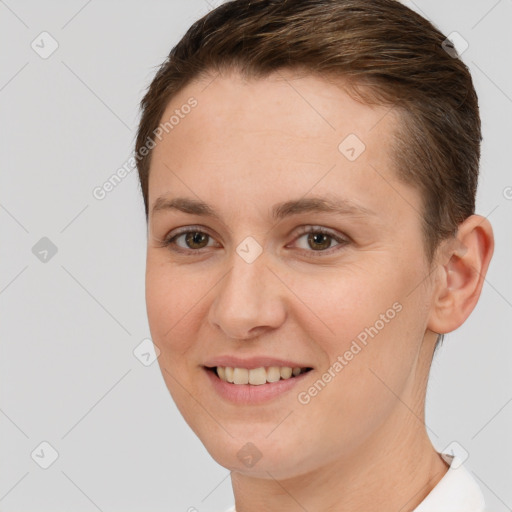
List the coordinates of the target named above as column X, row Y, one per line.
column 251, row 394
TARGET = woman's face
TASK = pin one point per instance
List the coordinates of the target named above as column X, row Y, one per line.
column 260, row 284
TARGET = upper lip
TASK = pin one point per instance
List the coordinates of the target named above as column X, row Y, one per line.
column 252, row 362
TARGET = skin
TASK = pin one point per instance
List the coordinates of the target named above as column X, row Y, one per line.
column 360, row 443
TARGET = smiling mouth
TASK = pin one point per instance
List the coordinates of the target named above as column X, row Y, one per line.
column 256, row 376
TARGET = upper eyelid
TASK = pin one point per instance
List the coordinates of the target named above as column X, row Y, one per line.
column 183, row 230
column 302, row 230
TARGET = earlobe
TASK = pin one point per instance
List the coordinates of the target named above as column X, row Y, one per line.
column 462, row 267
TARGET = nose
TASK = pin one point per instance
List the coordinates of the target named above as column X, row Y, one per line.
column 249, row 300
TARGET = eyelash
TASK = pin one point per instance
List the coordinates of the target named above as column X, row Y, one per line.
column 304, row 230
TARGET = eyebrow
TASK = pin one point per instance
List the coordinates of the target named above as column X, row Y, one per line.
column 317, row 204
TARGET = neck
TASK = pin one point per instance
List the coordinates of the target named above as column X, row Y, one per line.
column 395, row 469
column 391, row 480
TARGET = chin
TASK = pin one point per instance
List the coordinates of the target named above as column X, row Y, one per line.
column 259, row 456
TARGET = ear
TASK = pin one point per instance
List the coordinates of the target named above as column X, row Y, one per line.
column 461, row 268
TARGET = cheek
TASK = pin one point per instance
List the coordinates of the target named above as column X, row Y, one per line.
column 363, row 320
column 170, row 298
column 344, row 305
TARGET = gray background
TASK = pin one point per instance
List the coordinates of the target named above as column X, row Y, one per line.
column 70, row 324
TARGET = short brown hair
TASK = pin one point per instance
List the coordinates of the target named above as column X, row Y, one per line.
column 386, row 53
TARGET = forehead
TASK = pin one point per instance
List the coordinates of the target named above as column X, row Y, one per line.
column 281, row 135
column 295, row 106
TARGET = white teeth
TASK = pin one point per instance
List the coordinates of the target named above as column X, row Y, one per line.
column 229, row 374
column 273, row 374
column 256, row 376
column 286, row 372
column 240, row 376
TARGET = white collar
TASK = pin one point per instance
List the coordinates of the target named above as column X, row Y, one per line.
column 457, row 491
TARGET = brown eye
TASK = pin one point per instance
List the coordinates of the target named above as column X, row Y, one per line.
column 319, row 241
column 189, row 240
column 196, row 239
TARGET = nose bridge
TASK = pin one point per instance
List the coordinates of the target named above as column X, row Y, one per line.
column 248, row 297
column 247, row 282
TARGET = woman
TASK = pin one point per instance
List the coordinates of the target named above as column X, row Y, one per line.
column 309, row 173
